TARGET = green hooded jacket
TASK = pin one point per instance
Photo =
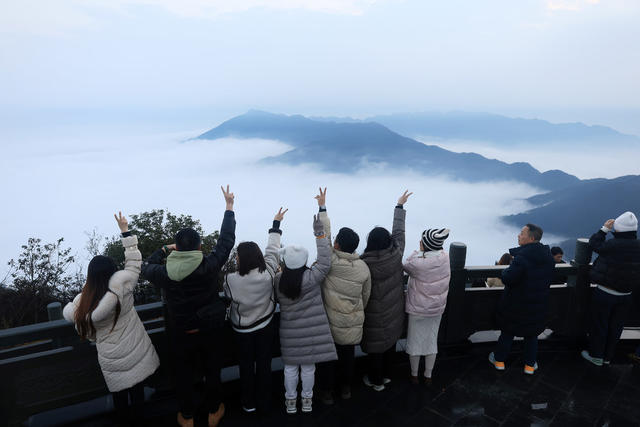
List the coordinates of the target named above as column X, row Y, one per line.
column 180, row 264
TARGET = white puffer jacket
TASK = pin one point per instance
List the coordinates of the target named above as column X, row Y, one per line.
column 125, row 354
column 428, row 286
column 345, row 292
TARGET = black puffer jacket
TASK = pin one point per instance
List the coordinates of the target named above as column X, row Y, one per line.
column 198, row 289
column 525, row 301
column 384, row 314
column 618, row 264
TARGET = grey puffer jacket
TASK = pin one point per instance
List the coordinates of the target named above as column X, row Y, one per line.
column 384, row 315
column 305, row 337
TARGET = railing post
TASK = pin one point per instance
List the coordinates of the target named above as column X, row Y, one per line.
column 582, row 290
column 54, row 310
column 454, row 325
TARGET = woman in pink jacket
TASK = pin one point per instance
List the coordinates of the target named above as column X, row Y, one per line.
column 429, row 275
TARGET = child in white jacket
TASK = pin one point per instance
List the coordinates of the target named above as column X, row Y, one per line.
column 427, row 290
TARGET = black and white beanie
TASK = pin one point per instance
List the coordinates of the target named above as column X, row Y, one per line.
column 433, row 238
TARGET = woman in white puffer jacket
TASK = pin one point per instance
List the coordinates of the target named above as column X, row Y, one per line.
column 104, row 313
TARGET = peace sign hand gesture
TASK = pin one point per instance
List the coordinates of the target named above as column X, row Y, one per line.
column 228, row 197
column 322, row 197
column 280, row 215
column 123, row 224
column 403, row 199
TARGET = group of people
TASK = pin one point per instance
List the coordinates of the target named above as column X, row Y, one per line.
column 342, row 300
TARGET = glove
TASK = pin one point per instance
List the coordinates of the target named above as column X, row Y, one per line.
column 318, row 226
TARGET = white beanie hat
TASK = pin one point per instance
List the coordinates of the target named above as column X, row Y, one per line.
column 294, row 256
column 626, row 222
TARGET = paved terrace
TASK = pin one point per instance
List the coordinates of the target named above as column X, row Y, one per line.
column 565, row 391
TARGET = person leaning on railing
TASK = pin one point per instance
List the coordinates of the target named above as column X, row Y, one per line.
column 104, row 313
column 196, row 312
column 616, row 271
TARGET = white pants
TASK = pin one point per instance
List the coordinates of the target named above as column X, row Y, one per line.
column 307, row 373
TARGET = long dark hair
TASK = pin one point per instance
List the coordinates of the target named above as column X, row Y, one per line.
column 100, row 270
column 378, row 238
column 291, row 282
column 250, row 257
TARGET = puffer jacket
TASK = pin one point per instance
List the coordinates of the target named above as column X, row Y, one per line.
column 618, row 264
column 253, row 301
column 305, row 337
column 524, row 306
column 345, row 292
column 428, row 286
column 125, row 354
column 186, row 295
column 384, row 314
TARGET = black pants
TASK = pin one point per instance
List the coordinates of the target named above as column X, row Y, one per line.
column 338, row 371
column 254, row 356
column 530, row 349
column 608, row 314
column 125, row 412
column 380, row 365
column 188, row 349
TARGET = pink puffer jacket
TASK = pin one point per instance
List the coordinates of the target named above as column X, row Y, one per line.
column 429, row 275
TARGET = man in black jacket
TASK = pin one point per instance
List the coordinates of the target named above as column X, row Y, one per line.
column 189, row 281
column 524, row 305
column 616, row 271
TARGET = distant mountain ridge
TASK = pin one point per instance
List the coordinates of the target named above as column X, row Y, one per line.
column 346, row 147
column 493, row 128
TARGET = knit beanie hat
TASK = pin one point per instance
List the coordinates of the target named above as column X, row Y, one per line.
column 294, row 257
column 626, row 222
column 433, row 238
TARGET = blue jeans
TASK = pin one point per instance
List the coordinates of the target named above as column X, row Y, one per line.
column 504, row 346
column 608, row 314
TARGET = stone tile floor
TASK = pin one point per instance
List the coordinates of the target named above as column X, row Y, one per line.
column 467, row 391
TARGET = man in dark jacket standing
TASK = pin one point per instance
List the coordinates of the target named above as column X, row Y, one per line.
column 189, row 281
column 525, row 301
column 616, row 271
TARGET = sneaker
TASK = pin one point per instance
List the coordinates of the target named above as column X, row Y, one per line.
column 345, row 392
column 529, row 370
column 368, row 383
column 607, row 362
column 214, row 418
column 306, row 404
column 595, row 360
column 413, row 380
column 427, row 381
column 386, row 381
column 327, row 397
column 249, row 410
column 634, row 358
column 498, row 365
column 291, row 405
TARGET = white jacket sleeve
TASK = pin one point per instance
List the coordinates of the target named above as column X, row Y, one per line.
column 271, row 257
column 132, row 264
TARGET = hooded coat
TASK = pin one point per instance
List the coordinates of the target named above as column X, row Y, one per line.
column 189, row 279
column 305, row 337
column 428, row 286
column 524, row 306
column 384, row 314
column 345, row 292
column 125, row 353
column 618, row 264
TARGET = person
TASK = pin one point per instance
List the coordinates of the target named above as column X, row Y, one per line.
column 557, row 254
column 384, row 314
column 196, row 312
column 305, row 337
column 495, row 282
column 522, row 311
column 427, row 289
column 253, row 304
column 345, row 293
column 103, row 312
column 616, row 272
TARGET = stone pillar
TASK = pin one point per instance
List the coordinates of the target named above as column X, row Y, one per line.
column 54, row 310
column 454, row 330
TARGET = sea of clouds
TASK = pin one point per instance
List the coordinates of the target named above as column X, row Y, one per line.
column 67, row 186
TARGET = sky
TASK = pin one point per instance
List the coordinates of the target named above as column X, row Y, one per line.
column 556, row 59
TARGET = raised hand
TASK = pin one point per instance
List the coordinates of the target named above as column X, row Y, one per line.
column 403, row 199
column 123, row 224
column 318, row 226
column 609, row 223
column 228, row 197
column 322, row 197
column 280, row 215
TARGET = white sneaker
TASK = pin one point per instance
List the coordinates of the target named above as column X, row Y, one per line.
column 248, row 410
column 368, row 383
column 386, row 381
column 291, row 405
column 306, row 404
column 595, row 360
